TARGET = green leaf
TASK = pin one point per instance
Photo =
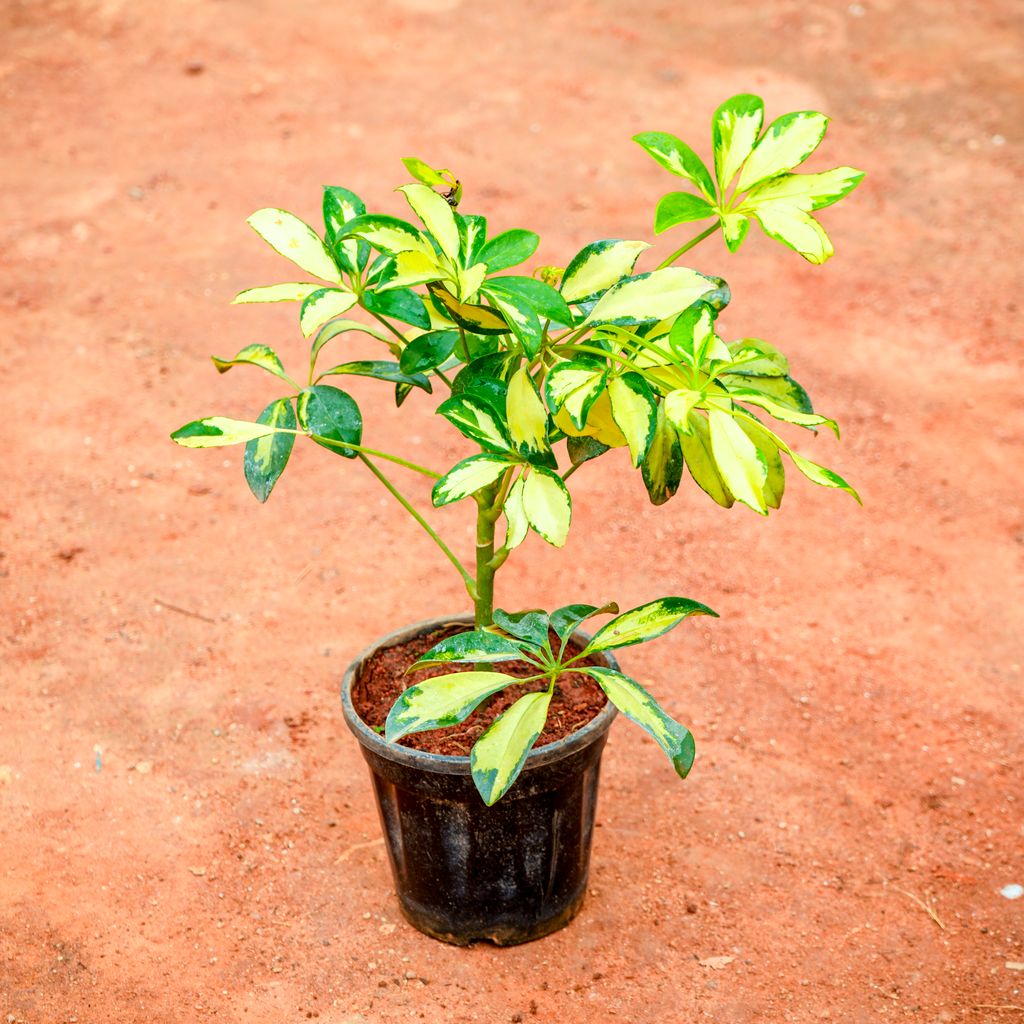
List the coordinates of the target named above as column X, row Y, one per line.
column 520, row 316
column 380, row 369
column 266, row 457
column 640, row 707
column 734, row 228
column 254, row 355
column 647, row 622
column 335, row 327
column 476, row 646
column 509, row 249
column 547, row 302
column 295, row 240
column 764, row 441
column 518, row 526
column 575, row 385
column 788, row 141
column 676, row 156
column 530, row 626
column 498, row 756
column 662, row 467
column 471, row 317
column 428, row 351
column 442, row 701
column 216, row 431
column 635, row 412
column 527, row 418
column 678, row 208
column 422, row 171
column 323, row 305
column 693, row 337
column 437, row 217
column 402, row 304
column 648, row 298
column 821, row 475
column 291, row 292
column 741, row 465
column 700, row 461
column 735, row 127
column 796, row 229
column 485, row 378
column 331, row 417
column 782, row 412
column 476, row 418
column 565, row 621
column 756, row 358
column 467, row 477
column 548, row 505
column 598, row 266
column 583, row 449
column 339, row 207
column 808, row 191
column 388, row 234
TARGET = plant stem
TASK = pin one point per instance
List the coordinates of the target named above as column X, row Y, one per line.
column 349, row 446
column 689, row 245
column 486, row 517
column 463, row 344
column 572, row 469
column 467, row 579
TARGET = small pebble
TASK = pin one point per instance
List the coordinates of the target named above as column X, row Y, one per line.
column 1012, row 892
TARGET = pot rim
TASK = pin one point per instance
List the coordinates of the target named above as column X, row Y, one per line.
column 449, row 764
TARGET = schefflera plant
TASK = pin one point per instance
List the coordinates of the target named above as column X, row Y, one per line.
column 542, row 374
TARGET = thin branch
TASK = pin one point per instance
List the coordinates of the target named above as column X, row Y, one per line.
column 689, row 245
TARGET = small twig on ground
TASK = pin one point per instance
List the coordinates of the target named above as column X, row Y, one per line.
column 358, row 846
column 997, row 1006
column 183, row 611
column 888, row 995
column 926, row 907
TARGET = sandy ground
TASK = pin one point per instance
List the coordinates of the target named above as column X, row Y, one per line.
column 187, row 828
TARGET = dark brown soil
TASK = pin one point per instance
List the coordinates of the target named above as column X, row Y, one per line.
column 576, row 700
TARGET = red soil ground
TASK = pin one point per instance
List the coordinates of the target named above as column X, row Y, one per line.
column 188, row 831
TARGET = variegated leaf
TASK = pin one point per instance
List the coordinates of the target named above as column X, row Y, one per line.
column 410, row 268
column 676, row 156
column 469, row 316
column 734, row 228
column 339, row 207
column 700, row 461
column 807, row 191
column 469, row 280
column 574, row 385
column 662, row 467
column 476, row 418
column 565, row 621
column 442, row 701
column 266, row 457
column 437, row 217
column 380, row 369
column 597, row 267
column 548, row 505
column 291, row 292
column 216, row 431
column 323, row 305
column 651, row 297
column 678, row 405
column 820, row 475
column 634, row 411
column 498, row 756
column 735, row 127
column 788, row 141
column 262, row 356
column 782, row 412
column 390, row 235
column 740, row 463
column 756, row 358
column 678, row 208
column 332, row 329
column 793, row 227
column 640, row 707
column 473, row 232
column 544, row 300
column 527, row 418
column 295, row 240
column 693, row 337
column 467, row 477
column 647, row 622
column 515, row 516
column 775, row 480
column 477, row 646
column 331, row 417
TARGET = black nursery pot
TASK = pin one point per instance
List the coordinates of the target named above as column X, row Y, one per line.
column 465, row 872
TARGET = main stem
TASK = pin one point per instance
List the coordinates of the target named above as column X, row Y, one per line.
column 689, row 245
column 486, row 517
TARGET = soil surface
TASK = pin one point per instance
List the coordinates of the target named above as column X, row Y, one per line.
column 575, row 701
column 188, row 831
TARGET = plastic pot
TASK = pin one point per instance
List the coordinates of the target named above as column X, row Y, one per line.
column 465, row 872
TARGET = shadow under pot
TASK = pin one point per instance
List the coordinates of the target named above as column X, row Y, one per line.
column 465, row 872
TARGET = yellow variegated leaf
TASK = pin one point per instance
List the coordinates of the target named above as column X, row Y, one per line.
column 322, row 306
column 678, row 405
column 821, row 475
column 697, row 454
column 470, row 280
column 791, row 226
column 295, row 240
column 254, row 355
column 634, row 412
column 413, row 268
column 442, row 701
column 600, row 423
column 497, row 757
column 291, row 292
column 735, row 127
column 598, row 267
column 467, row 477
column 216, row 431
column 471, row 316
column 789, row 141
column 515, row 516
column 738, row 460
column 734, row 229
column 436, row 215
column 527, row 417
column 652, row 296
column 775, row 481
column 807, row 191
column 547, row 505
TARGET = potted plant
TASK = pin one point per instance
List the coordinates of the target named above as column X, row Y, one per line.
column 484, row 734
